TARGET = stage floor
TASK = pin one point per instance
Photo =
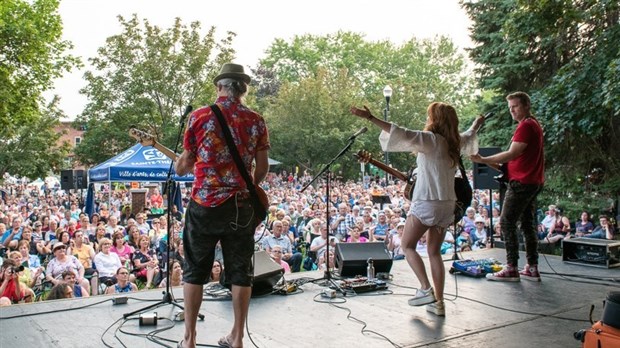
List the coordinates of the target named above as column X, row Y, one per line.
column 479, row 313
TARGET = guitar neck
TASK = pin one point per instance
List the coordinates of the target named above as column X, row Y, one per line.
column 389, row 170
column 166, row 151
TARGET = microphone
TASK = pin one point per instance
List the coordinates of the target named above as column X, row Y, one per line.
column 488, row 115
column 188, row 109
column 358, row 133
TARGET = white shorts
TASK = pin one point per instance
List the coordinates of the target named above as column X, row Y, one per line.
column 433, row 213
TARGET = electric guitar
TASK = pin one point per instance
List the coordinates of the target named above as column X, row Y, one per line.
column 147, row 139
column 409, row 178
column 502, row 177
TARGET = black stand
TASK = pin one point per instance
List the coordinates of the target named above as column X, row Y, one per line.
column 170, row 191
column 381, row 200
column 327, row 275
column 455, row 256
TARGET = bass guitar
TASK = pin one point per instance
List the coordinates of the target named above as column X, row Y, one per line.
column 146, row 139
column 409, row 178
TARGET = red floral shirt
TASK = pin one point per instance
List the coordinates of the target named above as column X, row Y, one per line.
column 216, row 175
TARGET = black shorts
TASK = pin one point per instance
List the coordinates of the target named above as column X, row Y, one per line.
column 231, row 224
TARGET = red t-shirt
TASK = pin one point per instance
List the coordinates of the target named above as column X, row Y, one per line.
column 216, row 175
column 9, row 291
column 529, row 167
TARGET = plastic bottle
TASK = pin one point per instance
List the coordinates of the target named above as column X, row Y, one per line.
column 370, row 271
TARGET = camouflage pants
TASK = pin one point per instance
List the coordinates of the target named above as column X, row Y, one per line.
column 520, row 206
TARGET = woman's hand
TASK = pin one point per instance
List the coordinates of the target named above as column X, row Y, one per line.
column 476, row 158
column 478, row 122
column 365, row 113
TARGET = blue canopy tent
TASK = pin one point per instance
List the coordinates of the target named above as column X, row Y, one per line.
column 138, row 163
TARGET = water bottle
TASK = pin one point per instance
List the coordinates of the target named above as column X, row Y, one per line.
column 370, row 271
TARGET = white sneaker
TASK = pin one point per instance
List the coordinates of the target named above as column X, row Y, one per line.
column 423, row 297
column 437, row 308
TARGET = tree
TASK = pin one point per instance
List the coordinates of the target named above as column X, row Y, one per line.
column 565, row 54
column 32, row 150
column 145, row 77
column 313, row 80
column 32, row 55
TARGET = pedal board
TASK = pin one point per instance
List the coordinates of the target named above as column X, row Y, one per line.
column 368, row 286
column 476, row 268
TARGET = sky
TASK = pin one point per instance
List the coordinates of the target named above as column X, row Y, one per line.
column 257, row 23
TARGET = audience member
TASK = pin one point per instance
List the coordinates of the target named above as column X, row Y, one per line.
column 604, row 231
column 123, row 284
column 176, row 276
column 63, row 262
column 60, row 291
column 292, row 258
column 78, row 290
column 145, row 263
column 584, row 225
column 107, row 263
column 561, row 227
column 276, row 255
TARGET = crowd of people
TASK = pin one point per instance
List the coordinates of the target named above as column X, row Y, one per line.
column 48, row 240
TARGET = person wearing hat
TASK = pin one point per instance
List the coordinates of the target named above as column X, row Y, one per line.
column 479, row 234
column 220, row 210
column 63, row 262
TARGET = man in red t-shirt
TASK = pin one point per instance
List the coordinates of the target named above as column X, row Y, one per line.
column 525, row 163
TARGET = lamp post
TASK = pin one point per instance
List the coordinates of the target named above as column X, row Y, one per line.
column 387, row 93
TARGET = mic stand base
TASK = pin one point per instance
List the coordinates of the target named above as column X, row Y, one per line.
column 166, row 300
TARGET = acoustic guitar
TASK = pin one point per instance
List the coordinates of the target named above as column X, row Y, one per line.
column 409, row 178
column 147, row 139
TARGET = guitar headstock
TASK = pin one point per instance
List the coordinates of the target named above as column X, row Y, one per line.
column 143, row 137
column 364, row 156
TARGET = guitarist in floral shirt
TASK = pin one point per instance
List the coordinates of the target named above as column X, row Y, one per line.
column 220, row 209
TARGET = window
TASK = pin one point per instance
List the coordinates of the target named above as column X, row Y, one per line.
column 78, row 140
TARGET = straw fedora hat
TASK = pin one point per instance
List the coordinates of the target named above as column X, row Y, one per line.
column 233, row 71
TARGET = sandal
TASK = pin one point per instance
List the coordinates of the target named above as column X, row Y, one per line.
column 180, row 344
column 224, row 342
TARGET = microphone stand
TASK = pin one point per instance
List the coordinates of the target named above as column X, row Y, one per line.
column 170, row 191
column 327, row 276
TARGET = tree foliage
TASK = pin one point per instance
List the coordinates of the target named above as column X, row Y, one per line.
column 32, row 55
column 565, row 54
column 145, row 77
column 312, row 81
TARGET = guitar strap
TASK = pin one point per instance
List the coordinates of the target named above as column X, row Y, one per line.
column 233, row 151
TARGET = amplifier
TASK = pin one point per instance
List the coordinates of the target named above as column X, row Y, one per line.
column 591, row 252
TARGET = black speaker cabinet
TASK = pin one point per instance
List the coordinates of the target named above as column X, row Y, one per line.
column 66, row 180
column 352, row 258
column 483, row 174
column 591, row 252
column 81, row 179
column 267, row 273
column 73, row 179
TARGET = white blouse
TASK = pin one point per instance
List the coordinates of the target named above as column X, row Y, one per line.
column 435, row 180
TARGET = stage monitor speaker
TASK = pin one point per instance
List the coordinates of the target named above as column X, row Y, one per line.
column 483, row 174
column 267, row 274
column 352, row 258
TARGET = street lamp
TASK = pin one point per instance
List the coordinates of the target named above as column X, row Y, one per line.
column 387, row 93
